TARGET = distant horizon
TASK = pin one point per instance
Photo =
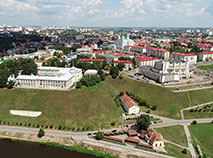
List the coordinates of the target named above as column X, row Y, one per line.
column 108, row 13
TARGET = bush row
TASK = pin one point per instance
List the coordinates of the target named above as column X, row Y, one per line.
column 60, row 127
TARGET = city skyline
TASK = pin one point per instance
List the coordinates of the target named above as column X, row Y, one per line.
column 102, row 13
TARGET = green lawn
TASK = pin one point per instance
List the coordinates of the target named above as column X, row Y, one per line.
column 201, row 96
column 175, row 134
column 202, row 114
column 91, row 107
column 206, row 67
column 203, row 135
column 175, row 151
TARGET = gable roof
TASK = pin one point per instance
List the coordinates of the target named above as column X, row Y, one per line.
column 127, row 101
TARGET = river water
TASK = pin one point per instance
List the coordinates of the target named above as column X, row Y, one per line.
column 18, row 149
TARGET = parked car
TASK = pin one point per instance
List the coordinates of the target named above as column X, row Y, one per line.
column 114, row 130
column 89, row 134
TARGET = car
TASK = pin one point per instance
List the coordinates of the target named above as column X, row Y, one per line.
column 114, row 130
column 127, row 125
column 94, row 133
column 155, row 122
column 151, row 117
column 89, row 134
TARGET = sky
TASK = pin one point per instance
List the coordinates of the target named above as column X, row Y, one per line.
column 107, row 13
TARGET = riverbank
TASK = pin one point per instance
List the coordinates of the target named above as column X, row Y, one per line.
column 63, row 142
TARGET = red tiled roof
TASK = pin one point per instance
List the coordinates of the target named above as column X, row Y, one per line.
column 132, row 132
column 91, row 60
column 144, row 58
column 113, row 138
column 206, row 53
column 128, row 46
column 123, row 61
column 99, row 51
column 132, row 140
column 127, row 101
column 182, row 54
column 143, row 135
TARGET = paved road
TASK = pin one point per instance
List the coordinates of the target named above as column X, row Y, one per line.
column 193, row 89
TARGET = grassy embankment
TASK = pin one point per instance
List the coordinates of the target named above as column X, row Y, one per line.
column 202, row 134
column 174, row 134
column 206, row 67
column 90, row 108
column 175, row 151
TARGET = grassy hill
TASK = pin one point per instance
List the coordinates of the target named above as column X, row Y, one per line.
column 95, row 107
column 202, row 135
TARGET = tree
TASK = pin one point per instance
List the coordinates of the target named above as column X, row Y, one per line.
column 99, row 135
column 121, row 66
column 143, row 122
column 102, row 76
column 41, row 133
column 114, row 72
column 194, row 122
column 4, row 74
column 154, row 107
column 184, row 151
column 79, row 85
column 10, row 84
column 29, row 68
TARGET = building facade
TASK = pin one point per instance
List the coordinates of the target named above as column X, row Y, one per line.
column 166, row 71
column 50, row 78
column 122, row 41
column 206, row 56
column 129, row 105
column 190, row 57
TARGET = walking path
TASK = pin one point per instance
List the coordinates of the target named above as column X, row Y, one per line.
column 189, row 141
column 167, row 141
column 193, row 89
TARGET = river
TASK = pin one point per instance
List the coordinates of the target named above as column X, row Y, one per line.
column 19, row 149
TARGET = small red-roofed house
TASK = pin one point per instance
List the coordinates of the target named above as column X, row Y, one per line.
column 129, row 105
column 203, row 56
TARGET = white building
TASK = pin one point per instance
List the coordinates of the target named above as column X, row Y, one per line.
column 158, row 53
column 190, row 57
column 145, row 61
column 206, row 56
column 138, row 49
column 50, row 78
column 122, row 41
column 129, row 105
column 91, row 72
column 166, row 71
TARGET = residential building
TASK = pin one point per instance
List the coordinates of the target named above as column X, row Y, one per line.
column 50, row 78
column 145, row 61
column 129, row 105
column 190, row 57
column 138, row 49
column 206, row 56
column 159, row 40
column 158, row 53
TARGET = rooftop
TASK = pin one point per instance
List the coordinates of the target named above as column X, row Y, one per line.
column 127, row 101
column 123, row 61
column 182, row 54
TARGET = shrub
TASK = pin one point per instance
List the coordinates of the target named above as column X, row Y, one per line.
column 121, row 93
column 114, row 76
column 99, row 135
column 191, row 110
column 184, row 151
column 199, row 110
column 41, row 133
column 29, row 124
column 113, row 123
column 117, row 101
column 46, row 126
column 38, row 125
column 194, row 122
column 51, row 126
column 154, row 107
column 121, row 77
column 59, row 127
column 79, row 85
column 148, row 111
